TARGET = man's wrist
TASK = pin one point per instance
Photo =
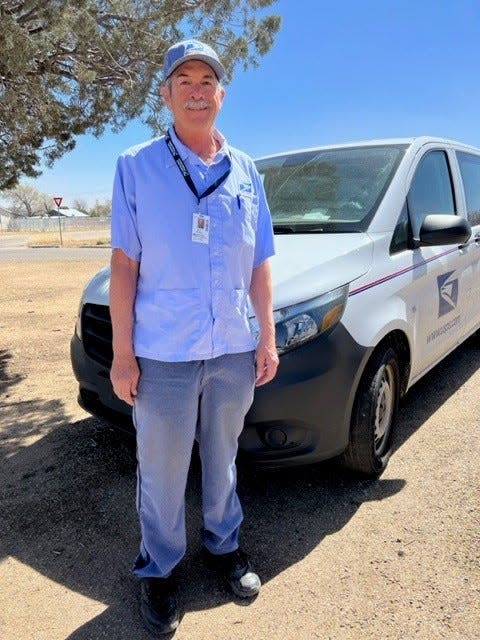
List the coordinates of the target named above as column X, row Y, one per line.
column 267, row 335
column 123, row 351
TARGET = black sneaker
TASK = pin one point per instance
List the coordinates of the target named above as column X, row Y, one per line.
column 159, row 605
column 237, row 571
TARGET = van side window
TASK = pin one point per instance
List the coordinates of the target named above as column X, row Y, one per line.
column 470, row 171
column 431, row 190
column 402, row 233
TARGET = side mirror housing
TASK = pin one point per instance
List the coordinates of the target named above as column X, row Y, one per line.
column 440, row 229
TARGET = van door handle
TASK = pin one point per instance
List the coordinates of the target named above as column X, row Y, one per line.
column 476, row 237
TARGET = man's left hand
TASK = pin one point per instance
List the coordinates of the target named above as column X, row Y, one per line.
column 266, row 361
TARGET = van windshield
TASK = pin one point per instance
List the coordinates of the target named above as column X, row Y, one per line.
column 328, row 190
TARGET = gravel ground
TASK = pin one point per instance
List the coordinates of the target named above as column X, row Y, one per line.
column 341, row 558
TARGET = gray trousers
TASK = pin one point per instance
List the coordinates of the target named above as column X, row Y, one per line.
column 178, row 402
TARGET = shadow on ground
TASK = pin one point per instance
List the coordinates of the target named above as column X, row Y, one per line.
column 68, row 503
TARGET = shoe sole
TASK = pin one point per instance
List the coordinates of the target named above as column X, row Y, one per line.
column 243, row 593
column 155, row 631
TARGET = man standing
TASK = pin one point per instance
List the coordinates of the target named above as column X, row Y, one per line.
column 191, row 238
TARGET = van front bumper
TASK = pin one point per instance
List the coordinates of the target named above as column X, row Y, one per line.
column 302, row 416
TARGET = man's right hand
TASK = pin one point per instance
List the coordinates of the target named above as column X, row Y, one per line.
column 124, row 375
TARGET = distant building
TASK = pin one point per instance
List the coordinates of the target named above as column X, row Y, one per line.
column 67, row 213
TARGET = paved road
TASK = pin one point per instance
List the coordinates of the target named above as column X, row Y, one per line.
column 24, row 254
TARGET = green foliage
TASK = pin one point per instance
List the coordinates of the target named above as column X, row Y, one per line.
column 69, row 67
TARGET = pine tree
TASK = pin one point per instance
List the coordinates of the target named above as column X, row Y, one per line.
column 69, row 67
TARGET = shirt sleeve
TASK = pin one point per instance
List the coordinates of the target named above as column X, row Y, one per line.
column 124, row 212
column 264, row 243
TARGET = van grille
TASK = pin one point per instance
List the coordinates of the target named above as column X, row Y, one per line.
column 97, row 333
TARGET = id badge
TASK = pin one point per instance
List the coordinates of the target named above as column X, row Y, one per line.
column 200, row 228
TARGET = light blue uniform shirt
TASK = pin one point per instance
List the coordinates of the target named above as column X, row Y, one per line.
column 191, row 301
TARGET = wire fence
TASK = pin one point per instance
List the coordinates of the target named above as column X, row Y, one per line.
column 53, row 224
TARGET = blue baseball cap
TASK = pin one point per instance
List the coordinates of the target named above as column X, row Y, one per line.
column 191, row 50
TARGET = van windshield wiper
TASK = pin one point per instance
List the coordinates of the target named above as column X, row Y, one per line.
column 326, row 227
column 312, row 229
column 300, row 228
column 283, row 228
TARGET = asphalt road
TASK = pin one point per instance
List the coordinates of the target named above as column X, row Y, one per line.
column 22, row 253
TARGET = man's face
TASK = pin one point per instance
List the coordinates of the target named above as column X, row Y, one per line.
column 193, row 95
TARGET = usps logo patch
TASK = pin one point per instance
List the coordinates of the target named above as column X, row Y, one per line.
column 447, row 293
column 192, row 47
column 245, row 187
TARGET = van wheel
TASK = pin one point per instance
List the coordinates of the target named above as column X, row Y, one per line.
column 374, row 414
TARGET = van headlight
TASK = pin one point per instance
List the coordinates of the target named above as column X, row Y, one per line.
column 302, row 322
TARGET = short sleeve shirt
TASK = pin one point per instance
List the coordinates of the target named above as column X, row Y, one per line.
column 192, row 296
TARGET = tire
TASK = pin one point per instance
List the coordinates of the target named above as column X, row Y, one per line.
column 373, row 416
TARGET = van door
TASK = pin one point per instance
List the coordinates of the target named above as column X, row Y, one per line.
column 438, row 294
column 469, row 164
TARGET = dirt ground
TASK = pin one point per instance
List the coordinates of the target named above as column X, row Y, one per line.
column 340, row 558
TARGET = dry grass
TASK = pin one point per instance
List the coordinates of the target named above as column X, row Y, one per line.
column 69, row 239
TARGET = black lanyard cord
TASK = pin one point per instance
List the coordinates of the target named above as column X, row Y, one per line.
column 186, row 173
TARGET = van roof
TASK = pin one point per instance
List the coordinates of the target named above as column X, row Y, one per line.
column 415, row 142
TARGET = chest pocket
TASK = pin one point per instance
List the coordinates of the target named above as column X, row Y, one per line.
column 239, row 215
column 248, row 216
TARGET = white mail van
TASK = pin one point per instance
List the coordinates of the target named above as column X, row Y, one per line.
column 376, row 279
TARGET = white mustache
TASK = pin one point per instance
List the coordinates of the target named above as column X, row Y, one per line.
column 196, row 104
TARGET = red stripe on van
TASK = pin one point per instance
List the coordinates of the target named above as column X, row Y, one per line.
column 395, row 274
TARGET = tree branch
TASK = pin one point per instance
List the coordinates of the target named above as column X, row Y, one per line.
column 34, row 10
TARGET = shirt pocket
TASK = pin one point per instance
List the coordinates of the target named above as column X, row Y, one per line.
column 249, row 215
column 177, row 311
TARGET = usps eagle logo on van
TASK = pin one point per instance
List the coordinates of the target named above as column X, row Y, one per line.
column 447, row 293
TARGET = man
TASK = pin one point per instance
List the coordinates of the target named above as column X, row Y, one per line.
column 191, row 238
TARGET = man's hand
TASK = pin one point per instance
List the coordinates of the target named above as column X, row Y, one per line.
column 266, row 360
column 124, row 375
column 261, row 297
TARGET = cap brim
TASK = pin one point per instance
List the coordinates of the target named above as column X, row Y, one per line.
column 217, row 67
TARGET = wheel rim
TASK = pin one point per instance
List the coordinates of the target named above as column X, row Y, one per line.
column 384, row 409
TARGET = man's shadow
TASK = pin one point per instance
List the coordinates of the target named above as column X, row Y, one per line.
column 69, row 513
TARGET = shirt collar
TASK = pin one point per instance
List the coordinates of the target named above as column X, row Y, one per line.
column 185, row 152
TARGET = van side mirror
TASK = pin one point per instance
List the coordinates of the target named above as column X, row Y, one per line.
column 444, row 229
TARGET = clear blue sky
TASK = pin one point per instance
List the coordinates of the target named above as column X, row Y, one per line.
column 339, row 71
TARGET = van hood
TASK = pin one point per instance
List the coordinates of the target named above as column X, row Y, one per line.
column 305, row 266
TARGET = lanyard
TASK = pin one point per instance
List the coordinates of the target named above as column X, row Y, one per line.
column 186, row 173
